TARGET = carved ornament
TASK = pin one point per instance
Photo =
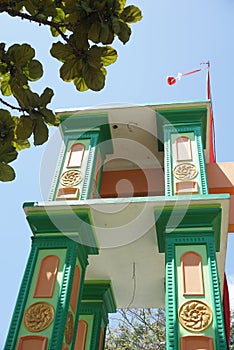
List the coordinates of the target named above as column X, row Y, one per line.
column 71, row 178
column 38, row 316
column 69, row 328
column 185, row 171
column 195, row 315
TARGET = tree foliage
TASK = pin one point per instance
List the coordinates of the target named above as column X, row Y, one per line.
column 85, row 29
column 137, row 329
column 232, row 331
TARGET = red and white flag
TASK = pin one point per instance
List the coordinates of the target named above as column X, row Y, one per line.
column 171, row 80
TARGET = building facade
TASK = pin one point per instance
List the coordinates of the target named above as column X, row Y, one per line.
column 137, row 216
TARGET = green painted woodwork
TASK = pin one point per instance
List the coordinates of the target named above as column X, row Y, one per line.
column 175, row 245
column 76, row 314
column 90, row 319
column 69, row 252
column 197, row 219
column 170, row 133
column 61, row 253
column 208, row 296
column 73, row 223
column 73, row 123
column 180, row 117
column 97, row 300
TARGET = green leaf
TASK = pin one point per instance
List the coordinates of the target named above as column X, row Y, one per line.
column 119, row 6
column 71, row 69
column 131, row 14
column 26, row 98
column 33, row 70
column 80, row 84
column 5, row 86
column 62, row 52
column 94, row 78
column 21, row 144
column 105, row 34
column 40, row 132
column 7, row 126
column 109, row 56
column 7, row 173
column 24, row 128
column 48, row 115
column 125, row 32
column 94, row 32
column 21, row 53
column 7, row 153
column 46, row 96
column 116, row 24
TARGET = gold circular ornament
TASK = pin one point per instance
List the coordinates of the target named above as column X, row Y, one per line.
column 195, row 315
column 185, row 171
column 71, row 178
column 38, row 316
column 69, row 328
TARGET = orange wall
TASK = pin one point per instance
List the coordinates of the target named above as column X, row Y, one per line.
column 221, row 180
column 132, row 183
column 150, row 182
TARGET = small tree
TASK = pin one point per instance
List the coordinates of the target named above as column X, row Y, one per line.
column 86, row 28
column 135, row 329
column 232, row 331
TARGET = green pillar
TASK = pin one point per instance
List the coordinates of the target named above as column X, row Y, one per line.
column 97, row 301
column 47, row 307
column 189, row 233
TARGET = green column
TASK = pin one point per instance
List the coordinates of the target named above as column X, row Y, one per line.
column 97, row 302
column 48, row 304
column 193, row 301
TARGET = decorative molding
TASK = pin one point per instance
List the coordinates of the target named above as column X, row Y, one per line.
column 46, row 277
column 185, row 171
column 171, row 302
column 69, row 328
column 204, row 183
column 191, row 263
column 89, row 172
column 195, row 315
column 21, row 300
column 64, row 298
column 71, row 178
column 183, row 148
column 217, row 303
column 194, row 342
column 186, row 187
column 32, row 342
column 38, row 316
column 75, row 289
column 81, row 335
column 56, row 173
column 76, row 155
column 68, row 193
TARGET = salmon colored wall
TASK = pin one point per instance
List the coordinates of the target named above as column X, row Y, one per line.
column 221, row 180
column 132, row 183
column 150, row 182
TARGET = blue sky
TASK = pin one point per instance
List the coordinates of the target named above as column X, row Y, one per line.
column 170, row 39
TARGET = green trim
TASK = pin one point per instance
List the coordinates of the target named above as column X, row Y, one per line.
column 198, row 156
column 172, row 325
column 76, row 224
column 180, row 117
column 171, row 220
column 90, row 167
column 217, row 303
column 170, row 298
column 77, row 123
column 100, row 289
column 17, row 317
